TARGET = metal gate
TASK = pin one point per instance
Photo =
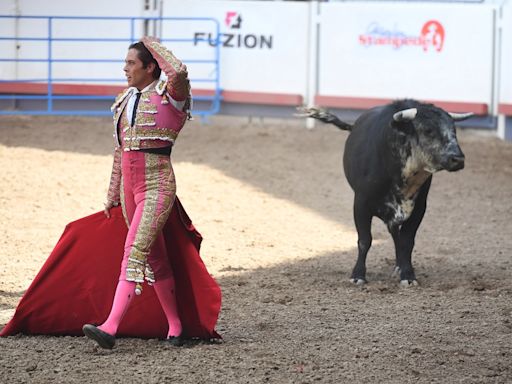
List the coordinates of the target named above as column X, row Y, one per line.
column 63, row 65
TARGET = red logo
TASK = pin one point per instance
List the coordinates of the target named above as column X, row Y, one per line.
column 233, row 20
column 432, row 34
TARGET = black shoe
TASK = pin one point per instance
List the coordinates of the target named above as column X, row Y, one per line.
column 175, row 341
column 104, row 339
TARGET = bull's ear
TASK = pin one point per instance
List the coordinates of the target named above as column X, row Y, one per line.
column 405, row 115
column 461, row 116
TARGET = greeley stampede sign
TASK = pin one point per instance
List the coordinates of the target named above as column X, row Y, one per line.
column 235, row 38
column 431, row 36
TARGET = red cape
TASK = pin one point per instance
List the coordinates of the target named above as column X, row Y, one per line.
column 76, row 284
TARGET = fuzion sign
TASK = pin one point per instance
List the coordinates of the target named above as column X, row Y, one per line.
column 235, row 38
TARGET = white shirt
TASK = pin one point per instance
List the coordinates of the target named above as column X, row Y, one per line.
column 131, row 101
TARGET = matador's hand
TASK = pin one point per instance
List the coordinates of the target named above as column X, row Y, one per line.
column 146, row 40
column 108, row 205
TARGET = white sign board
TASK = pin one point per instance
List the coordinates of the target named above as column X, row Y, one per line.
column 428, row 51
column 263, row 45
column 505, row 92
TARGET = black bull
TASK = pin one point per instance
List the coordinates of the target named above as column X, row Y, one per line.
column 389, row 158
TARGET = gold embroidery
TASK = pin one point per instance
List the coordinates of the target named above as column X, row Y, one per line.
column 145, row 97
column 136, row 265
column 115, row 178
column 161, row 87
column 145, row 133
column 147, row 108
column 150, row 276
column 167, row 55
column 119, row 99
column 123, row 205
column 179, row 86
column 144, row 120
column 156, row 134
column 159, row 198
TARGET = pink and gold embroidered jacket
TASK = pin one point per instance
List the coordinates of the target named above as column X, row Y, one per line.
column 157, row 121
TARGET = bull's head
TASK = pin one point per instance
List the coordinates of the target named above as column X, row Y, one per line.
column 432, row 136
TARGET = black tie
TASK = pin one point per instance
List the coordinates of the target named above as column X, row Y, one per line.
column 135, row 108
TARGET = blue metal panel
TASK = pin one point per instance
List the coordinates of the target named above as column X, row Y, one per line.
column 212, row 105
column 508, row 128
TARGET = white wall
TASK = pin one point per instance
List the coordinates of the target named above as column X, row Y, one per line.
column 7, row 48
column 127, row 8
column 64, row 28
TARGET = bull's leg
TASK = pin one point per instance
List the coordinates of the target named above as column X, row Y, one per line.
column 404, row 243
column 363, row 221
column 394, row 230
column 407, row 237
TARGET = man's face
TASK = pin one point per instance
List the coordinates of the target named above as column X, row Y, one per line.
column 136, row 75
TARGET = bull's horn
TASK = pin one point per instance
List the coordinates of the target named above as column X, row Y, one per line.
column 460, row 116
column 406, row 114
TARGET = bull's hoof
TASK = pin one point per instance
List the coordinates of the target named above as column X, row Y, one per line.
column 358, row 281
column 409, row 283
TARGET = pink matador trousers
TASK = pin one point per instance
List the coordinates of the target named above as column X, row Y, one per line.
column 148, row 190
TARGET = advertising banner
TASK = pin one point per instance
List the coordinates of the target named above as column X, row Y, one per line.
column 505, row 90
column 388, row 50
column 263, row 45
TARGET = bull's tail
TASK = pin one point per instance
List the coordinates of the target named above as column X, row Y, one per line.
column 323, row 115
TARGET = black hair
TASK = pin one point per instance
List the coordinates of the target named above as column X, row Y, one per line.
column 145, row 56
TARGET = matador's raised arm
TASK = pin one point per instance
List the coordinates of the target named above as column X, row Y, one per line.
column 178, row 84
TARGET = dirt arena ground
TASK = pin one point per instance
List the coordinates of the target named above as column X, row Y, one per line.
column 273, row 206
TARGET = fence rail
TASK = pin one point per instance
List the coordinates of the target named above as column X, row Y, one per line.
column 29, row 42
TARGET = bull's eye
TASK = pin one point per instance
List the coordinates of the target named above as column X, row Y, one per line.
column 428, row 131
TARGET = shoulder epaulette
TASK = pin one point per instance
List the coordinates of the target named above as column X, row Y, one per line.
column 161, row 87
column 119, row 99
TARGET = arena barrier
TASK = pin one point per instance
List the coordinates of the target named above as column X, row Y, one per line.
column 63, row 65
column 505, row 96
column 346, row 56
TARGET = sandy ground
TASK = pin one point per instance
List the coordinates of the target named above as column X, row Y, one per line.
column 273, row 206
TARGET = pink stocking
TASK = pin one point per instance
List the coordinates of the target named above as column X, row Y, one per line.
column 124, row 293
column 165, row 292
